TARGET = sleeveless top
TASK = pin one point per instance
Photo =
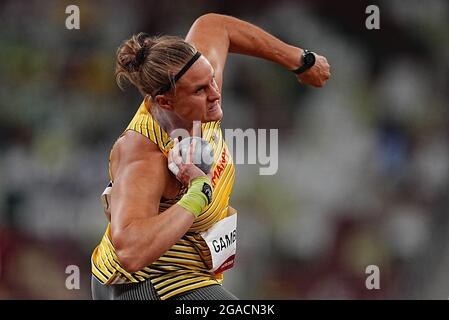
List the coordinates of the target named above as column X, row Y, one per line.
column 185, row 265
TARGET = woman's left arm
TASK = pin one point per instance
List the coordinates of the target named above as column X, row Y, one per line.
column 216, row 35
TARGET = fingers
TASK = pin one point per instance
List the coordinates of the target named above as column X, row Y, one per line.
column 173, row 160
column 317, row 75
column 173, row 168
column 184, row 171
column 177, row 159
column 191, row 151
column 325, row 69
column 170, row 156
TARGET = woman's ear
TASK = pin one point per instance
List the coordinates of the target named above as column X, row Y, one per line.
column 164, row 102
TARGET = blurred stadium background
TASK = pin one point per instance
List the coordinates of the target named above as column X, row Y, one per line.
column 363, row 166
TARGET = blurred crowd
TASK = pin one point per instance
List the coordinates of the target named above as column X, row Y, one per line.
column 363, row 162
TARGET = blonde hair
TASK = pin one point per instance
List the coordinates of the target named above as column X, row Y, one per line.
column 150, row 63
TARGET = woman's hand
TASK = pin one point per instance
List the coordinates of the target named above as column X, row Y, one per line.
column 318, row 74
column 184, row 172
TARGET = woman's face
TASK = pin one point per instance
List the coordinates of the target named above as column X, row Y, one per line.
column 197, row 96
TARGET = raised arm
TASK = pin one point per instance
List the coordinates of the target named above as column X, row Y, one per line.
column 216, row 35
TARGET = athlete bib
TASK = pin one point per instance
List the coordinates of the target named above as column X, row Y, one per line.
column 221, row 239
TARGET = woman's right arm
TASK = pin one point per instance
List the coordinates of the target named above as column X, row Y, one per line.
column 140, row 234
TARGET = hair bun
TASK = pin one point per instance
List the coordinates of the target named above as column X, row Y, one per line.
column 142, row 45
column 141, row 37
column 141, row 54
column 148, row 61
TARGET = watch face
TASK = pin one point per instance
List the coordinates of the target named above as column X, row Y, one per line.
column 207, row 190
column 309, row 59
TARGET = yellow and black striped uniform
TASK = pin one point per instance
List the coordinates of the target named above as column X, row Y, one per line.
column 185, row 265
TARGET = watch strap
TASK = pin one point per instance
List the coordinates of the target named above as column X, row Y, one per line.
column 303, row 66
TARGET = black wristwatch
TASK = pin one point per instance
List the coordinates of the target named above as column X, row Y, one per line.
column 307, row 61
column 207, row 190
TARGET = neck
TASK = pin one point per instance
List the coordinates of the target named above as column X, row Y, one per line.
column 170, row 121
